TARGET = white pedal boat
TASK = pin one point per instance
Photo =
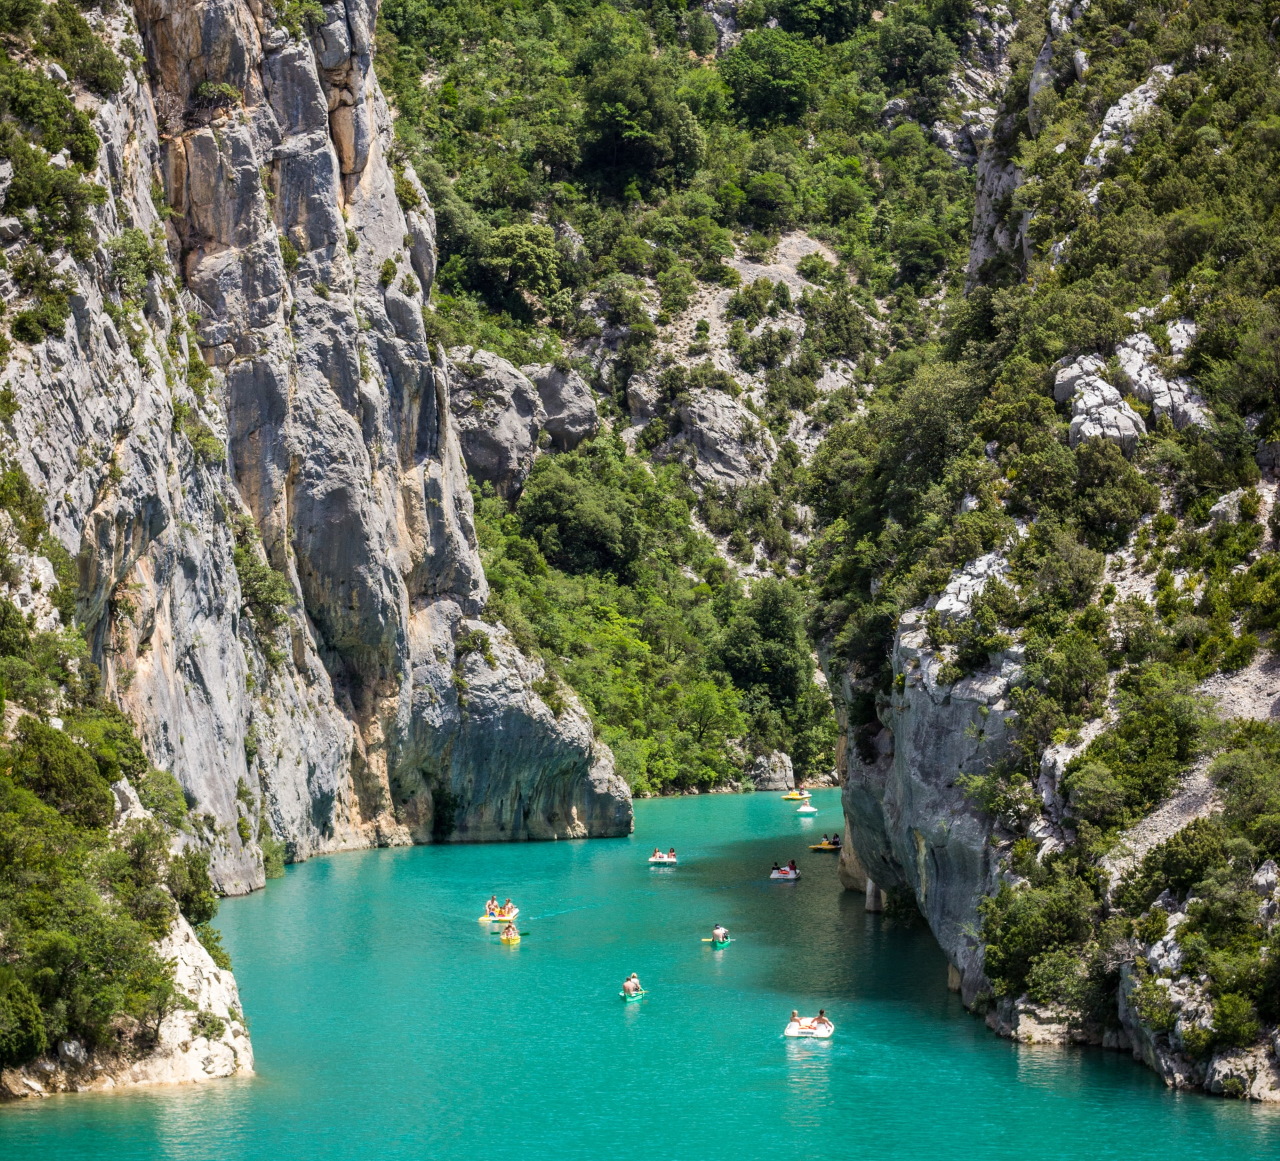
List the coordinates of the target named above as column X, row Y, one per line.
column 663, row 861
column 784, row 874
column 806, row 1030
column 806, row 809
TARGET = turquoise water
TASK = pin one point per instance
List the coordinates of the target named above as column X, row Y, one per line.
column 389, row 1024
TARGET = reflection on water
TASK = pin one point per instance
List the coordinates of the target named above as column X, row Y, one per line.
column 808, row 1081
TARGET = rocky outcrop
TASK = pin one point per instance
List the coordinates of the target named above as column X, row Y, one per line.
column 499, row 414
column 721, row 440
column 772, row 771
column 275, row 394
column 1098, row 410
column 910, row 827
column 204, row 1039
column 572, row 415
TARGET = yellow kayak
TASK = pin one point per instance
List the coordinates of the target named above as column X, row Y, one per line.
column 509, row 938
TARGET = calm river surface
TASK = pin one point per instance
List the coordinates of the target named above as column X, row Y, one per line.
column 388, row 1023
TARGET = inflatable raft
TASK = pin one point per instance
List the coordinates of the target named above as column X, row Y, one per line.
column 805, row 1029
column 784, row 874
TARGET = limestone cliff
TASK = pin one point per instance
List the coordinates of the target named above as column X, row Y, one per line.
column 275, row 394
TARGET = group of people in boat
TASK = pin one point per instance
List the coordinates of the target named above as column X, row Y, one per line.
column 833, row 841
column 631, row 985
column 818, row 1023
column 789, row 869
column 670, row 855
column 720, row 933
column 494, row 910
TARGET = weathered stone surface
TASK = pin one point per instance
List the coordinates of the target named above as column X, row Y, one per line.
column 338, row 450
column 909, row 823
column 772, row 771
column 498, row 413
column 571, row 410
column 723, row 442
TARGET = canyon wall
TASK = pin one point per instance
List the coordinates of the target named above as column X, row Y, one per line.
column 274, row 402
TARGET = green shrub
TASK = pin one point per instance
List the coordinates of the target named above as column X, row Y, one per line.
column 62, row 774
column 208, row 1025
column 273, row 852
column 211, row 940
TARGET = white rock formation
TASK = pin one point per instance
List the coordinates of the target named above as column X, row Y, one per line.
column 187, row 1049
column 772, row 771
column 1121, row 117
column 967, row 584
column 1097, row 408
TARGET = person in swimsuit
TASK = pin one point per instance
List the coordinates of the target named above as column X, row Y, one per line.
column 491, row 908
column 792, row 868
column 719, row 933
column 671, row 854
column 821, row 1022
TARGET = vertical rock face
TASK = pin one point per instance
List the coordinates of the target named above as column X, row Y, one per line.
column 300, row 258
column 909, row 825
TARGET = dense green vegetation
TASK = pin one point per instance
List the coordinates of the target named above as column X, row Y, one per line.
column 611, row 124
column 964, row 436
column 598, row 569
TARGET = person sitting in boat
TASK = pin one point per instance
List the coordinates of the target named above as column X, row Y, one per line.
column 671, row 854
column 835, row 840
column 631, row 985
column 798, row 1020
column 509, row 910
column 510, row 932
column 720, row 933
column 826, row 842
column 820, row 1022
column 657, row 853
column 792, row 869
column 491, row 908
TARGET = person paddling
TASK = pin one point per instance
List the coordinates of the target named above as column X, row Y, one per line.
column 510, row 932
column 720, row 933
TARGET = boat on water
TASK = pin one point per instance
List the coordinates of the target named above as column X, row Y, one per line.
column 805, row 1029
column 824, row 847
column 806, row 809
column 509, row 938
column 632, row 997
column 663, row 861
column 796, row 796
column 784, row 873
column 502, row 917
column 720, row 944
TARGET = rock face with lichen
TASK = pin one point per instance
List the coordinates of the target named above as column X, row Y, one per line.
column 272, row 402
